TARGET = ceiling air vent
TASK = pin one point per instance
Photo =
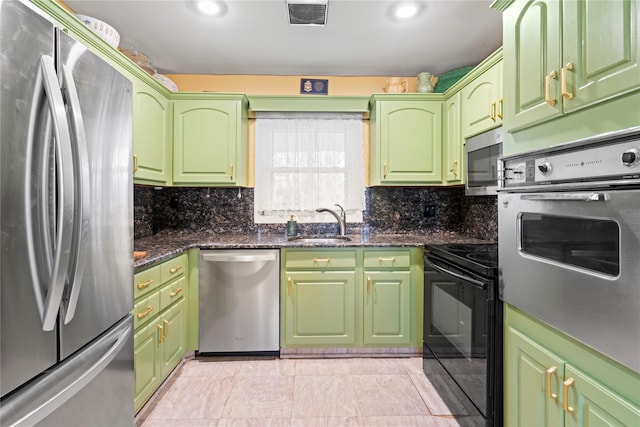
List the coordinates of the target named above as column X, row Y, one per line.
column 307, row 12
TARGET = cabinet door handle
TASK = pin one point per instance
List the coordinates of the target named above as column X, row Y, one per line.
column 551, row 371
column 231, row 171
column 175, row 269
column 166, row 330
column 135, row 163
column 289, row 286
column 368, row 284
column 145, row 284
column 321, row 259
column 161, row 332
column 454, row 168
column 565, row 391
column 547, row 87
column 390, row 259
column 499, row 106
column 565, row 93
column 144, row 313
column 176, row 292
column 384, row 170
column 492, row 111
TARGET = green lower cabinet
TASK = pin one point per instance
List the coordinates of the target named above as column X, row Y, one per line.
column 338, row 297
column 161, row 319
column 547, row 384
column 387, row 308
column 534, row 377
column 590, row 404
column 320, row 308
column 174, row 336
column 145, row 354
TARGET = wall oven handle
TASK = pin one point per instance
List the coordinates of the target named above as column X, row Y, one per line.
column 578, row 197
column 443, row 270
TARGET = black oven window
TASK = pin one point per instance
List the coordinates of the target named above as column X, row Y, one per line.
column 593, row 244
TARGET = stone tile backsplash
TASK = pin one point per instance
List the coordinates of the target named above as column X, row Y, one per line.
column 396, row 210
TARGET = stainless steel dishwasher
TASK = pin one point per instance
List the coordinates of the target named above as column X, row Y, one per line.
column 239, row 301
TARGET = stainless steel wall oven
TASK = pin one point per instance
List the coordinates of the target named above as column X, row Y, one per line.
column 569, row 240
column 462, row 354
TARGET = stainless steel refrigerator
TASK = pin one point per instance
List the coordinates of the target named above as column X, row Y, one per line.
column 66, row 332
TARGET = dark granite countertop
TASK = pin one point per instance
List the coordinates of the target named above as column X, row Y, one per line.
column 160, row 247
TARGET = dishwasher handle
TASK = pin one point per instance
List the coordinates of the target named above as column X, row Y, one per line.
column 237, row 257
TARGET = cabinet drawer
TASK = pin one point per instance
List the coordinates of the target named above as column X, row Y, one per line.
column 146, row 309
column 146, row 281
column 387, row 259
column 320, row 259
column 173, row 268
column 172, row 292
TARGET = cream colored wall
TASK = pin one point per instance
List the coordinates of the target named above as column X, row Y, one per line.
column 282, row 85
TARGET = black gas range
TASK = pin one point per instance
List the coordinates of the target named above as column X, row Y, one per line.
column 462, row 354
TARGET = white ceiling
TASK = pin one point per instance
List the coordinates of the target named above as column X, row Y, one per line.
column 254, row 37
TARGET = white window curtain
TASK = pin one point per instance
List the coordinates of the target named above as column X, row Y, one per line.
column 306, row 161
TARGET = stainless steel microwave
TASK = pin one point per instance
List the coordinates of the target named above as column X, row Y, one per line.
column 482, row 154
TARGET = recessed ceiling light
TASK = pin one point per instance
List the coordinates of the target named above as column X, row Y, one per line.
column 406, row 10
column 211, row 7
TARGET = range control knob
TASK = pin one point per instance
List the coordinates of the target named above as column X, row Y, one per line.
column 631, row 157
column 545, row 168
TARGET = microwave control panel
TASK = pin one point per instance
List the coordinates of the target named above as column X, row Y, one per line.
column 589, row 163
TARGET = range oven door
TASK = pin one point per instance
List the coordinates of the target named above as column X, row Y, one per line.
column 571, row 259
column 462, row 338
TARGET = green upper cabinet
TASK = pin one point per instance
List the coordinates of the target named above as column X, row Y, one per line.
column 210, row 139
column 453, row 146
column 406, row 140
column 564, row 56
column 151, row 135
column 482, row 102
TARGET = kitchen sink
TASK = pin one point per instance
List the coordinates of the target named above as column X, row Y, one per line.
column 319, row 239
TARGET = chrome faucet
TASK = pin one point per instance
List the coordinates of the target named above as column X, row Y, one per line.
column 342, row 218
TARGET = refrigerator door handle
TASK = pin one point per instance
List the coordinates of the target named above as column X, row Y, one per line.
column 82, row 195
column 43, row 396
column 65, row 201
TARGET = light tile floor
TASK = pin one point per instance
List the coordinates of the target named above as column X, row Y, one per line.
column 209, row 392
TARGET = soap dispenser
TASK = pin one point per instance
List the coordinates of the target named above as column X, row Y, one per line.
column 292, row 226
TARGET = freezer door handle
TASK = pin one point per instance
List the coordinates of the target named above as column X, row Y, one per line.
column 55, row 269
column 81, row 184
column 43, row 396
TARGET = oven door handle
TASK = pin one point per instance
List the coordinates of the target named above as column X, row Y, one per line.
column 443, row 270
column 588, row 196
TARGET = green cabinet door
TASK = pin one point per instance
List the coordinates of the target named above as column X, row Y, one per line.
column 387, row 308
column 531, row 54
column 320, row 308
column 151, row 135
column 173, row 322
column 591, row 404
column 209, row 142
column 482, row 103
column 533, row 381
column 145, row 359
column 453, row 145
column 563, row 56
column 406, row 144
column 601, row 50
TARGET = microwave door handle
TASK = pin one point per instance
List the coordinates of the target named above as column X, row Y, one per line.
column 569, row 197
column 442, row 270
